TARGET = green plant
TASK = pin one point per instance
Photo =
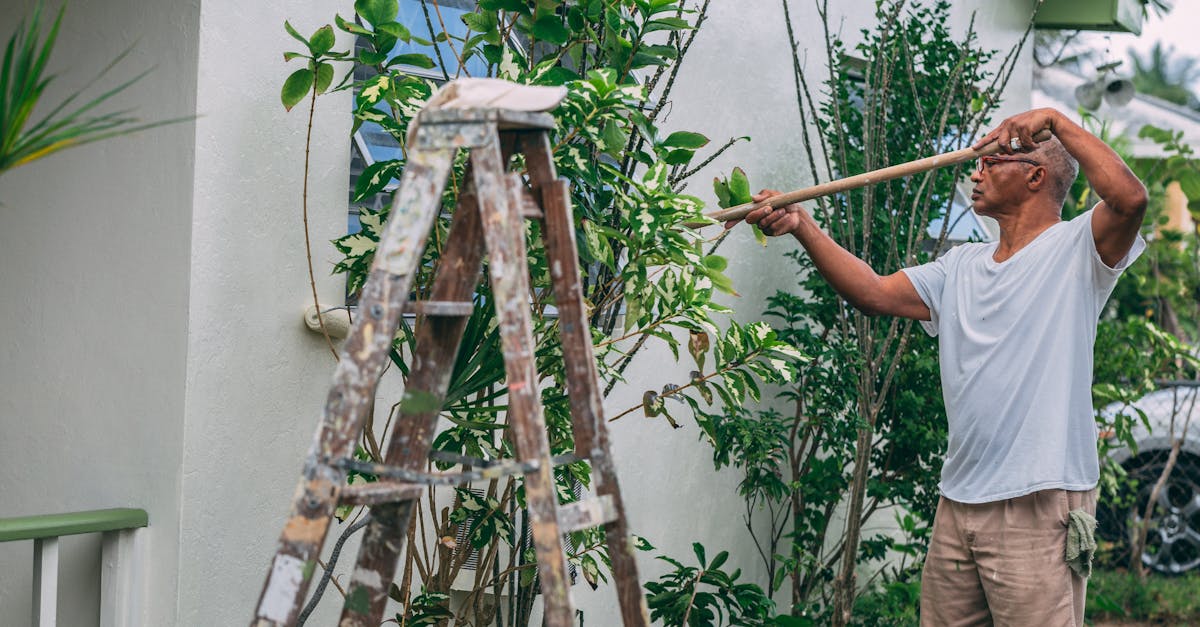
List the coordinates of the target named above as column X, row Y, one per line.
column 706, row 596
column 865, row 425
column 23, row 80
column 1143, row 334
column 427, row 608
column 1164, row 285
column 894, row 603
column 1119, row 595
column 647, row 278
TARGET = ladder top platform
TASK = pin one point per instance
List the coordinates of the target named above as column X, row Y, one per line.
column 505, row 119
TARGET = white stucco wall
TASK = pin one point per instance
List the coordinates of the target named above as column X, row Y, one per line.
column 94, row 257
column 256, row 377
column 154, row 354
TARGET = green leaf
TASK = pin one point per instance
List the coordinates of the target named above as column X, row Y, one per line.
column 721, row 189
column 614, row 139
column 663, row 52
column 575, row 19
column 350, row 27
column 413, row 59
column 1155, row 134
column 698, row 549
column 642, row 544
column 368, row 57
column 642, row 59
column 395, row 29
column 551, row 29
column 759, row 236
column 716, row 263
column 292, row 31
column 519, row 6
column 479, row 22
column 377, row 12
column 739, row 187
column 288, row 56
column 557, row 76
column 296, row 87
column 721, row 282
column 493, row 53
column 322, row 40
column 679, row 157
column 1189, row 182
column 666, row 23
column 324, row 77
column 375, row 178
column 685, row 139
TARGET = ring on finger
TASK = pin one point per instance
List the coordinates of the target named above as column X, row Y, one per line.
column 1015, row 143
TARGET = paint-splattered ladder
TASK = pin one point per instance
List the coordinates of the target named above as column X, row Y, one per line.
column 489, row 215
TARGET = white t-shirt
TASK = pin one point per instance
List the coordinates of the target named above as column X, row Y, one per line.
column 1015, row 343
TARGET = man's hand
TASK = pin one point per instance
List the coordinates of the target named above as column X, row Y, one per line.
column 1020, row 127
column 772, row 221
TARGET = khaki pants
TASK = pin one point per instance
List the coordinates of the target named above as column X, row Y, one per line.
column 1004, row 563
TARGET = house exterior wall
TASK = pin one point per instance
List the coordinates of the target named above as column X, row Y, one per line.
column 94, row 264
column 256, row 377
column 197, row 312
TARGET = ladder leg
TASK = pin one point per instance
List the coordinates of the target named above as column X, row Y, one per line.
column 437, row 344
column 384, row 295
column 587, row 410
column 504, row 232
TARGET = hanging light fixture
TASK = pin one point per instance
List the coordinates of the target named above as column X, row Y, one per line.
column 1117, row 91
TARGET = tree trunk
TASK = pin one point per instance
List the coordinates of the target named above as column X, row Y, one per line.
column 845, row 583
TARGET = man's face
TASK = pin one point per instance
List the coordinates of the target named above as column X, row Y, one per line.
column 997, row 180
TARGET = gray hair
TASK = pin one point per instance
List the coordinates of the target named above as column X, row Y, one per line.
column 1061, row 168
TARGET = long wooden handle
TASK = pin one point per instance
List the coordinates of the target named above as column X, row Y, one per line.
column 862, row 180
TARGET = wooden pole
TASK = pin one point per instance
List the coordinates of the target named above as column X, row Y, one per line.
column 861, row 180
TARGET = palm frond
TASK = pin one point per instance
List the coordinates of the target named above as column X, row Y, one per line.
column 23, row 80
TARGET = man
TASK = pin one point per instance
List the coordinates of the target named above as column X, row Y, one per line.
column 1016, row 322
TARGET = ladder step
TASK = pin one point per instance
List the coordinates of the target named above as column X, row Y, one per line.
column 499, row 469
column 447, row 308
column 378, row 492
column 586, row 513
column 476, row 462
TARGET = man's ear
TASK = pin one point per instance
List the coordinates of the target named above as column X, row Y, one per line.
column 1036, row 178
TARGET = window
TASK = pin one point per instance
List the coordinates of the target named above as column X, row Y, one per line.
column 965, row 226
column 371, row 143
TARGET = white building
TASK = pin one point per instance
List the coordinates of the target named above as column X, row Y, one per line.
column 153, row 350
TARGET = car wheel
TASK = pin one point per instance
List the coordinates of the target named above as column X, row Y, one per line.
column 1173, row 535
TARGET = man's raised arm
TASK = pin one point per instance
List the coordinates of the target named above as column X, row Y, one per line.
column 1118, row 217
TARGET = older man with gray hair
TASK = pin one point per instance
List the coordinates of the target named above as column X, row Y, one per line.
column 1016, row 325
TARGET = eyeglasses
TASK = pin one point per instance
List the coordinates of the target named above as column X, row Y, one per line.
column 985, row 163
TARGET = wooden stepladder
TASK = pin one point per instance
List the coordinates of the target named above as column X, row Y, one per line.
column 490, row 215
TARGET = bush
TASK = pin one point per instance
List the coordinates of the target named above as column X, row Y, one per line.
column 1121, row 595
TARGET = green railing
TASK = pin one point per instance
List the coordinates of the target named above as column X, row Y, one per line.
column 119, row 561
column 56, row 525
